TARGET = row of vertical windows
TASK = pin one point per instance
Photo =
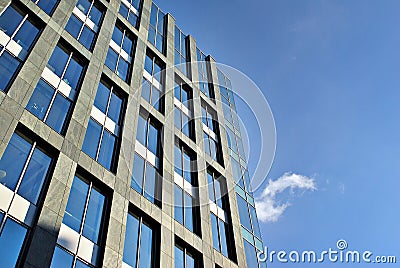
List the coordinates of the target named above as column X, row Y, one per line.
column 57, row 99
column 247, row 212
column 84, row 217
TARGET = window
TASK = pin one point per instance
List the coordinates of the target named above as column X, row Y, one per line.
column 211, row 136
column 180, row 51
column 219, row 229
column 203, row 77
column 84, row 22
column 185, row 191
column 47, row 6
column 183, row 109
column 146, row 177
column 185, row 164
column 24, row 169
column 243, row 212
column 153, row 81
column 104, row 129
column 216, row 188
column 141, row 243
column 119, row 56
column 81, row 235
column 56, row 91
column 185, row 256
column 221, row 225
column 251, row 256
column 11, row 241
column 156, row 28
column 18, row 32
column 130, row 10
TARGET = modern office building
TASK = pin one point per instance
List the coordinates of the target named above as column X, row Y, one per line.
column 114, row 151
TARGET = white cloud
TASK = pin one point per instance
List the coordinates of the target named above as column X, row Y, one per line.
column 268, row 208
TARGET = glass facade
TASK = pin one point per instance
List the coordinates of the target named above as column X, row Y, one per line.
column 104, row 129
column 57, row 89
column 75, row 166
column 81, row 227
column 244, row 196
column 119, row 56
column 84, row 22
column 18, row 33
column 156, row 28
column 153, row 81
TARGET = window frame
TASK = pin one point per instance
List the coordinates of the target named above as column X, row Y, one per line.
column 93, row 184
column 184, row 109
column 211, row 134
column 151, row 224
column 154, row 83
column 118, row 128
column 35, row 143
column 156, row 27
column 137, row 11
column 186, row 249
column 182, row 52
column 95, row 30
column 204, row 76
column 114, row 47
column 142, row 151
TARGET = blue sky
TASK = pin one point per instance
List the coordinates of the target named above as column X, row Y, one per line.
column 330, row 71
